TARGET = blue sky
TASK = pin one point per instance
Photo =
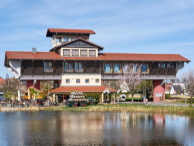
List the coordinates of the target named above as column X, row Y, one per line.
column 124, row 26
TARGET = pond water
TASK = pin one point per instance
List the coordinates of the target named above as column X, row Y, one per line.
column 94, row 128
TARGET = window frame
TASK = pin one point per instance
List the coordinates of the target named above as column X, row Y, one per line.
column 168, row 65
column 147, row 67
column 135, row 68
column 75, row 50
column 78, row 67
column 66, row 50
column 67, row 80
column 77, row 80
column 86, row 81
column 119, row 68
column 97, row 80
column 68, row 66
column 84, row 55
column 163, row 65
column 47, row 65
column 94, row 53
column 110, row 68
column 173, row 65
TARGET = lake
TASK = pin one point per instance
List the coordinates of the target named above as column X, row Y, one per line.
column 94, row 128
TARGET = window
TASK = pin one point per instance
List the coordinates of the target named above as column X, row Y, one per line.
column 168, row 65
column 97, row 81
column 75, row 52
column 107, row 68
column 58, row 40
column 68, row 67
column 92, row 52
column 67, row 81
column 66, row 52
column 135, row 68
column 78, row 67
column 87, row 80
column 126, row 68
column 48, row 66
column 163, row 65
column 144, row 68
column 77, row 81
column 71, row 38
column 116, row 68
column 159, row 65
column 173, row 65
column 65, row 39
column 83, row 52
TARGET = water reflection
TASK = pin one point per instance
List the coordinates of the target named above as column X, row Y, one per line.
column 94, row 128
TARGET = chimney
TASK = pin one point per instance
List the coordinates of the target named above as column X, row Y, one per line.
column 33, row 50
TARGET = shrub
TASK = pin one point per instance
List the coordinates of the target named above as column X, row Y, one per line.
column 168, row 96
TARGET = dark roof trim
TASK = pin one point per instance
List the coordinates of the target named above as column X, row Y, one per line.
column 52, row 31
column 78, row 39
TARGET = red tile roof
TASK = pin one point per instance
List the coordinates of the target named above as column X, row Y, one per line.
column 132, row 57
column 102, row 56
column 64, row 89
column 52, row 31
column 2, row 81
column 35, row 56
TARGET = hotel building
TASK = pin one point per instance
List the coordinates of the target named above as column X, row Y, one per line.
column 75, row 63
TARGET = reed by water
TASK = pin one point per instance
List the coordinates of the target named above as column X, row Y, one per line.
column 129, row 108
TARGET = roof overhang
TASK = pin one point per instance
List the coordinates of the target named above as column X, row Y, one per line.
column 68, row 89
column 54, row 31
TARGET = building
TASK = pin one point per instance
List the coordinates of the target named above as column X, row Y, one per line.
column 2, row 82
column 176, row 89
column 76, row 64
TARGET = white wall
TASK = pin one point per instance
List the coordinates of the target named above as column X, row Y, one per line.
column 15, row 68
column 92, row 79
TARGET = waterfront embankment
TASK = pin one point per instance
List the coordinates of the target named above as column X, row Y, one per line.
column 114, row 108
column 130, row 108
column 9, row 109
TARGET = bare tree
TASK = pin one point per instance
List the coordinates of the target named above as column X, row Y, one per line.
column 130, row 79
column 188, row 79
column 11, row 85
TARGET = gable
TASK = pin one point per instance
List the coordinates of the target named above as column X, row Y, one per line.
column 80, row 44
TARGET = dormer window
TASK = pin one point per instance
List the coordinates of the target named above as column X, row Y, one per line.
column 66, row 52
column 75, row 52
column 92, row 53
column 83, row 52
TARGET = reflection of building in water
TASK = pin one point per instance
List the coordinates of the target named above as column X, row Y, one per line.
column 94, row 128
column 82, row 129
column 159, row 119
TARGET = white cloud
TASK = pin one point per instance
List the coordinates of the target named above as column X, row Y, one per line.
column 136, row 26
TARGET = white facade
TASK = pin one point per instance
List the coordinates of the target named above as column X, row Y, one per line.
column 81, row 80
column 15, row 68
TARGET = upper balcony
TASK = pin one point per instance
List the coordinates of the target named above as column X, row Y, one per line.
column 60, row 36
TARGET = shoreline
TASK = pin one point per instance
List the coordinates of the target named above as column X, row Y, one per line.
column 187, row 110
